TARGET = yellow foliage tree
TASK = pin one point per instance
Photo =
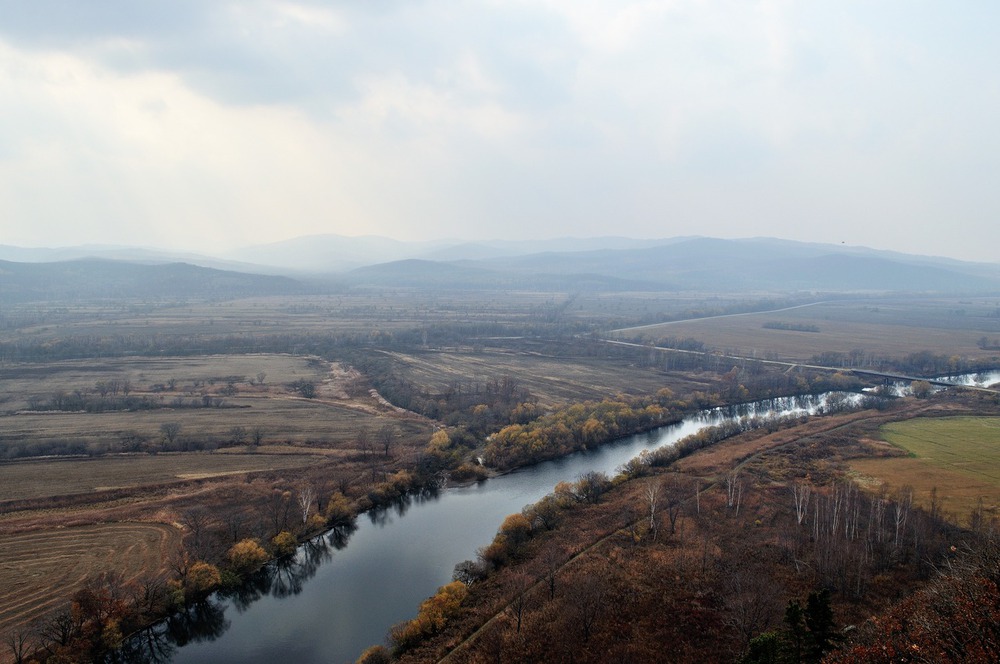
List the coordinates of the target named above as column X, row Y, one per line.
column 246, row 556
column 284, row 544
column 202, row 578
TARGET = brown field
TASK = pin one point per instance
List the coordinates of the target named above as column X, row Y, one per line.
column 384, row 310
column 331, row 419
column 40, row 569
column 553, row 380
column 21, row 480
column 892, row 328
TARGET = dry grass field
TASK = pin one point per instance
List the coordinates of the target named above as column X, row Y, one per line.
column 888, row 328
column 959, row 456
column 39, row 570
column 21, row 480
column 552, row 380
column 330, row 420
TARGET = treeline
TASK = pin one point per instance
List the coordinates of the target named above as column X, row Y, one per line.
column 83, row 401
column 577, row 427
column 792, row 327
column 986, row 343
column 590, row 424
column 479, row 406
column 922, row 363
column 329, row 344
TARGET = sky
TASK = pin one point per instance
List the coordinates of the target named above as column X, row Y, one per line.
column 208, row 125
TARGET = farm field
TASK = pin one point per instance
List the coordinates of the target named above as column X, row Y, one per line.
column 21, row 480
column 881, row 328
column 959, row 456
column 552, row 380
column 39, row 570
column 179, row 387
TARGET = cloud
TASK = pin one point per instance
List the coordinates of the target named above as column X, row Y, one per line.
column 239, row 122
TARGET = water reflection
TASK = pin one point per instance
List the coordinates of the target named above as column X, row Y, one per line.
column 199, row 622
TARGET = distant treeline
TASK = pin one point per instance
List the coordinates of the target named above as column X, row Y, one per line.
column 989, row 344
column 327, row 344
column 792, row 327
column 921, row 363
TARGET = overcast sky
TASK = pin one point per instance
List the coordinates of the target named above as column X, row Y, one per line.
column 207, row 125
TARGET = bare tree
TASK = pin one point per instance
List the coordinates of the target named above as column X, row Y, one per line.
column 587, row 597
column 800, row 494
column 674, row 500
column 260, row 377
column 734, row 490
column 901, row 509
column 552, row 558
column 749, row 593
column 306, row 494
column 518, row 586
column 236, row 521
column 278, row 505
column 697, row 496
column 170, row 431
column 365, row 443
column 257, row 435
column 651, row 492
column 238, row 435
column 197, row 521
column 20, row 645
column 386, row 437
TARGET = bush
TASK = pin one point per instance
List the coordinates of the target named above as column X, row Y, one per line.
column 202, row 578
column 284, row 544
column 246, row 556
column 434, row 612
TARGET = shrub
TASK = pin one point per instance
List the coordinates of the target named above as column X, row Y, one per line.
column 284, row 544
column 246, row 556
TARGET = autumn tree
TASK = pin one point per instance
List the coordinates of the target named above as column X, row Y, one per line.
column 434, row 613
column 339, row 513
column 284, row 544
column 202, row 578
column 246, row 556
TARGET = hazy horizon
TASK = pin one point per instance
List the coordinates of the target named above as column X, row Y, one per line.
column 208, row 126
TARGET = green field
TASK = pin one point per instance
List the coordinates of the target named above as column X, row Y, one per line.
column 959, row 456
column 967, row 445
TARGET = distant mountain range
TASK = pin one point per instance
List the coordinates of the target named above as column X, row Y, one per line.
column 608, row 264
column 101, row 279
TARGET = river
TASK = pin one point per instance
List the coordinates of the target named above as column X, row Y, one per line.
column 341, row 594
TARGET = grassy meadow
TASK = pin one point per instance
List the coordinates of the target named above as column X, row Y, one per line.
column 959, row 456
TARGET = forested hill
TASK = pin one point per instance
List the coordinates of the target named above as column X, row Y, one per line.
column 93, row 279
column 698, row 264
column 692, row 264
